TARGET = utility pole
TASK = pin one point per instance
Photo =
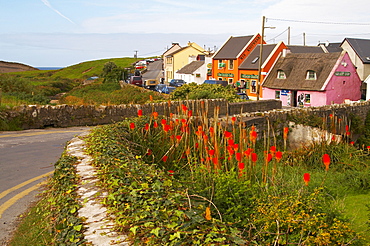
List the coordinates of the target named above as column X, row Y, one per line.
column 259, row 79
column 135, row 56
column 304, row 39
column 288, row 35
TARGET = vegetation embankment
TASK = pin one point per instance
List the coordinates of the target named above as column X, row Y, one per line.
column 193, row 181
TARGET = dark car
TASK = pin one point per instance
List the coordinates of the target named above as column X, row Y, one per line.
column 136, row 80
column 215, row 82
column 177, row 82
column 168, row 89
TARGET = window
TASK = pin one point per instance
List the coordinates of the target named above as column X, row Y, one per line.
column 311, row 75
column 281, row 74
column 221, row 64
column 231, row 81
column 231, row 64
column 247, row 83
column 253, row 86
column 307, row 98
column 277, row 94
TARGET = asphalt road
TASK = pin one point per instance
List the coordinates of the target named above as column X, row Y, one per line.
column 26, row 159
column 154, row 71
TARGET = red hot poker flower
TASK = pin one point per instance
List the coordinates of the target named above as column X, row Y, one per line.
column 228, row 134
column 146, row 127
column 164, row 158
column 211, row 152
column 278, row 155
column 184, row 108
column 326, row 161
column 163, row 121
column 233, row 119
column 273, row 150
column 171, row 172
column 286, row 131
column 140, row 113
column 268, row 157
column 254, row 157
column 155, row 115
column 132, row 126
column 238, row 156
column 306, row 178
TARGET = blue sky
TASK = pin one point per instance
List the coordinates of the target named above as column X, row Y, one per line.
column 67, row 32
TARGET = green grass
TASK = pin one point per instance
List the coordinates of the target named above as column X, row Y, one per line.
column 357, row 211
column 34, row 227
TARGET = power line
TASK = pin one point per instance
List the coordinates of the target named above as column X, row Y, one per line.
column 278, row 35
column 322, row 22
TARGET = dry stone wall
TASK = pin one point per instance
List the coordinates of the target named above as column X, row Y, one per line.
column 32, row 116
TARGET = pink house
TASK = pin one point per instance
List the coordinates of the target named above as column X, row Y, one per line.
column 313, row 79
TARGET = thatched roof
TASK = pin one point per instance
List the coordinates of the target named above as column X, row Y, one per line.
column 295, row 67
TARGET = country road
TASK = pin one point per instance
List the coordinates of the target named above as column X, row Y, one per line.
column 26, row 159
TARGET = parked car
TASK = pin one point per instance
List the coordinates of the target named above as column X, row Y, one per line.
column 136, row 80
column 168, row 89
column 215, row 82
column 160, row 87
column 177, row 82
column 150, row 84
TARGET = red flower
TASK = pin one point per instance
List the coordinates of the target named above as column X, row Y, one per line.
column 163, row 121
column 196, row 145
column 286, row 131
column 178, row 138
column 211, row 130
column 171, row 172
column 132, row 126
column 278, row 155
column 166, row 128
column 211, row 152
column 326, row 161
column 254, row 157
column 241, row 168
column 268, row 157
column 238, row 156
column 164, row 158
column 230, row 141
column 233, row 119
column 184, row 108
column 248, row 152
column 146, row 127
column 306, row 178
column 272, row 150
column 155, row 115
column 155, row 124
column 190, row 113
column 253, row 136
column 149, row 152
column 228, row 134
column 347, row 128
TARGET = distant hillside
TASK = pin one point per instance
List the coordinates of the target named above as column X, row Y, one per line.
column 8, row 67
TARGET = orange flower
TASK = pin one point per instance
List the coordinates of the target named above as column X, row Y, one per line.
column 140, row 113
column 155, row 124
column 286, row 131
column 151, row 98
column 166, row 128
column 306, row 178
column 164, row 158
column 248, row 152
column 230, row 141
column 268, row 157
column 184, row 108
column 190, row 113
column 211, row 152
column 241, row 168
column 132, row 126
column 208, row 213
column 163, row 121
column 253, row 136
column 178, row 138
column 326, row 161
column 278, row 155
column 155, row 115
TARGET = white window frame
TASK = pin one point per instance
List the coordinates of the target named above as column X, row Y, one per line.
column 281, row 74
column 311, row 75
column 231, row 65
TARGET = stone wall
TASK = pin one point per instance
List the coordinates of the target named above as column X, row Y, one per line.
column 32, row 116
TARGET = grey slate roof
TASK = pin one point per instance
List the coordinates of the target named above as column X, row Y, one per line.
column 334, row 47
column 232, row 48
column 295, row 67
column 361, row 47
column 248, row 63
column 305, row 49
column 191, row 67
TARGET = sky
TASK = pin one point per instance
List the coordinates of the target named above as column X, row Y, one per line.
column 60, row 33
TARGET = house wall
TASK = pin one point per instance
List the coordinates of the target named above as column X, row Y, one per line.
column 182, row 58
column 317, row 98
column 344, row 83
column 363, row 70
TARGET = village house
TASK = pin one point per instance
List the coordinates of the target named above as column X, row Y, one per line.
column 173, row 61
column 313, row 79
column 226, row 61
column 196, row 71
column 248, row 69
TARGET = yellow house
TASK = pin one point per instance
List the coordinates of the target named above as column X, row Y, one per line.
column 179, row 58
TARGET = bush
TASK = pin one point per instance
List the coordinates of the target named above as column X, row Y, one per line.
column 193, row 91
